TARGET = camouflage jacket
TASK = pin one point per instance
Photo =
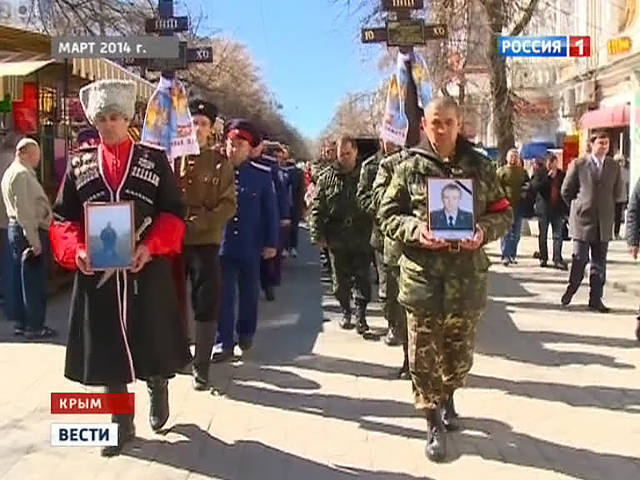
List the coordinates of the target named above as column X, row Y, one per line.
column 365, row 197
column 404, row 208
column 335, row 215
column 388, row 165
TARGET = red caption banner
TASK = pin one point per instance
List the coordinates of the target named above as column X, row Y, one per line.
column 73, row 403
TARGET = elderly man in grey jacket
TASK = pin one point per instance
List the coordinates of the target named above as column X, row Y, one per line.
column 592, row 187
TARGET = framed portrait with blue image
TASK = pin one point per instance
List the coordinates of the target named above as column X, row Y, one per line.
column 109, row 232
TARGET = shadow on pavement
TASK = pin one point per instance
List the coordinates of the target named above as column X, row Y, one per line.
column 499, row 336
column 203, row 454
column 608, row 398
column 499, row 442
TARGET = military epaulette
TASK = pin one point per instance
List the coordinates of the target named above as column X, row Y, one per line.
column 264, row 168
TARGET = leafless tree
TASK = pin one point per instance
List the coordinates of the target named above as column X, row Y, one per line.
column 474, row 29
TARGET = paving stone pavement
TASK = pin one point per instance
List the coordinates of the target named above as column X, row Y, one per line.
column 553, row 394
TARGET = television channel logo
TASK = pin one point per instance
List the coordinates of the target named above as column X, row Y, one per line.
column 550, row 46
column 84, row 434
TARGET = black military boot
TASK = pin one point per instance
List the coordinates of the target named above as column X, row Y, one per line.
column 204, row 344
column 436, row 449
column 361, row 317
column 126, row 432
column 449, row 415
column 405, row 373
column 158, row 388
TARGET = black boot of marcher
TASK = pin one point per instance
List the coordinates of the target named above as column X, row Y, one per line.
column 449, row 415
column 436, row 449
column 405, row 373
column 361, row 317
column 205, row 332
column 126, row 432
column 158, row 388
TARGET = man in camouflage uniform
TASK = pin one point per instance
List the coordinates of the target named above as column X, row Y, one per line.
column 443, row 285
column 328, row 158
column 370, row 168
column 339, row 224
column 394, row 312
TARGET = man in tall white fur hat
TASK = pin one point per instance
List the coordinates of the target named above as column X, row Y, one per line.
column 124, row 325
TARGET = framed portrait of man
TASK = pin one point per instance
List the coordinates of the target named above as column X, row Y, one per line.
column 109, row 235
column 451, row 214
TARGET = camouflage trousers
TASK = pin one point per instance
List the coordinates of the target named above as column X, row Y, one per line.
column 440, row 355
column 350, row 273
column 394, row 313
column 441, row 330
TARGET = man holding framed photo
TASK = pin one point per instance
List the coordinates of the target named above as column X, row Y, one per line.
column 443, row 277
column 124, row 322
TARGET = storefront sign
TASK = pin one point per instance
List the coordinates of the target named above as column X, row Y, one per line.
column 620, row 45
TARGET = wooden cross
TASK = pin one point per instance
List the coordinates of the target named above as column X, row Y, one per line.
column 167, row 25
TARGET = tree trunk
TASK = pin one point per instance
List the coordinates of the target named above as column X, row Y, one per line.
column 502, row 103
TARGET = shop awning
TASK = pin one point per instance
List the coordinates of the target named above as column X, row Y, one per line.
column 18, row 40
column 605, row 117
column 103, row 69
column 22, row 69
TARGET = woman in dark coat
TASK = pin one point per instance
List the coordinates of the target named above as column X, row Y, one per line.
column 124, row 324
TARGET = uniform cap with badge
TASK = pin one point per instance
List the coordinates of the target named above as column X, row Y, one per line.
column 202, row 107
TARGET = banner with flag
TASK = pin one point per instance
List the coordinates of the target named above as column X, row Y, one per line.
column 168, row 123
column 395, row 124
column 421, row 78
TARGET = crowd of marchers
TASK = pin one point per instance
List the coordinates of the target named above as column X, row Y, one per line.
column 225, row 219
column 434, row 287
column 221, row 220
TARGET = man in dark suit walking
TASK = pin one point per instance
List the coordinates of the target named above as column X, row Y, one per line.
column 592, row 187
column 451, row 217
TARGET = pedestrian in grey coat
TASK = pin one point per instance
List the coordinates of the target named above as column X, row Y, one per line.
column 592, row 187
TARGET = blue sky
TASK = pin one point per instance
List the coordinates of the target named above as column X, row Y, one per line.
column 309, row 52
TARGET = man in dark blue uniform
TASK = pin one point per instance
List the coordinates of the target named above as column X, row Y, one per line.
column 250, row 235
column 265, row 155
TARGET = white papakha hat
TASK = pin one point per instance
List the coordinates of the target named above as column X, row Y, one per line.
column 107, row 96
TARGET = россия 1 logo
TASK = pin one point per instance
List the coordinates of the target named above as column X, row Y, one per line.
column 551, row 46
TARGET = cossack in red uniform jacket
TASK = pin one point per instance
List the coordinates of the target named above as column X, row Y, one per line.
column 129, row 327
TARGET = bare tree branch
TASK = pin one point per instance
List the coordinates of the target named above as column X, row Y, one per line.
column 526, row 18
